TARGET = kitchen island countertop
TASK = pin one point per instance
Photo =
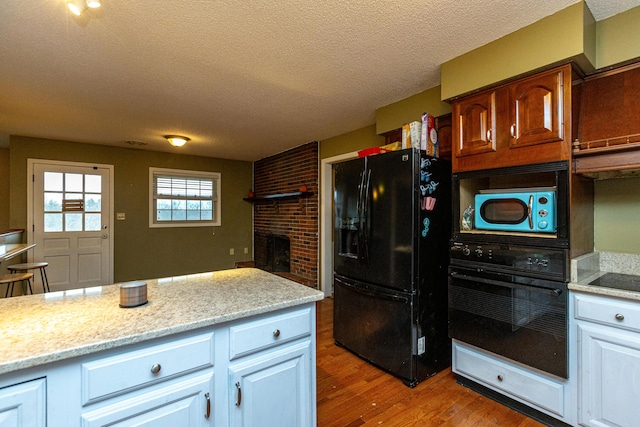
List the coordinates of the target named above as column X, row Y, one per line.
column 44, row 328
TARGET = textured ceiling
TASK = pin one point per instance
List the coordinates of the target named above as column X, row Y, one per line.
column 244, row 80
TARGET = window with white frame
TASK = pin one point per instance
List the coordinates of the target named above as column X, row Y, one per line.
column 181, row 198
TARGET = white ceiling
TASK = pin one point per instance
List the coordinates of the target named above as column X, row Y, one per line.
column 244, row 80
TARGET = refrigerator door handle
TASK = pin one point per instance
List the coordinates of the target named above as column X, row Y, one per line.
column 364, row 223
column 392, row 296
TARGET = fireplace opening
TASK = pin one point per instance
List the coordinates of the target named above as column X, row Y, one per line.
column 272, row 252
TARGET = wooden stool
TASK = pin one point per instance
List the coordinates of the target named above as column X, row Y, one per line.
column 33, row 266
column 11, row 279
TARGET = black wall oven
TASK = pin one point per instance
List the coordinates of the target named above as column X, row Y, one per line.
column 497, row 308
column 508, row 290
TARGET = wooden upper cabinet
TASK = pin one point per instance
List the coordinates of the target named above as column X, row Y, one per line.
column 476, row 124
column 526, row 121
column 537, row 113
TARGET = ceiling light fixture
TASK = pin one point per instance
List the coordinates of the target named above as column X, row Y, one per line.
column 76, row 6
column 177, row 140
column 93, row 4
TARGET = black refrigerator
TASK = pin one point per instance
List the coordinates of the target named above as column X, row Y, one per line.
column 392, row 225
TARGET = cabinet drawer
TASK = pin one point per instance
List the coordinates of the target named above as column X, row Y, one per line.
column 608, row 311
column 119, row 374
column 249, row 337
column 523, row 385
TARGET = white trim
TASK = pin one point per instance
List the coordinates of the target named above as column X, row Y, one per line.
column 326, row 219
column 30, row 173
column 216, row 176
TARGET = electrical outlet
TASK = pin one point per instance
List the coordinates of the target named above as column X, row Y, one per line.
column 246, row 250
column 232, row 251
column 120, row 216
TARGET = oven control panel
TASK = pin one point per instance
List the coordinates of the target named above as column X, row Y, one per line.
column 544, row 262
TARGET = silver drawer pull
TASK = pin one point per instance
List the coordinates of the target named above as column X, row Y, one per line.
column 276, row 333
column 619, row 317
column 155, row 368
column 500, row 378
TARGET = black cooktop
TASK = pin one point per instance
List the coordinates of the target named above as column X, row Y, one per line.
column 626, row 282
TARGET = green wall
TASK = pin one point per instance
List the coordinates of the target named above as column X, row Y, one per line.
column 616, row 215
column 618, row 38
column 358, row 139
column 139, row 251
column 4, row 189
column 410, row 109
column 567, row 34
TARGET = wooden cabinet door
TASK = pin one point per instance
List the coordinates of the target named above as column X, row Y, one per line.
column 274, row 389
column 609, row 363
column 537, row 109
column 474, row 125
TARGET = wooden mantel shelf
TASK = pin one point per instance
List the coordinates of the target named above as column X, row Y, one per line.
column 275, row 197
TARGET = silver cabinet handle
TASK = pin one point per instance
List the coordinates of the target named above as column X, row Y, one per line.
column 619, row 317
column 500, row 378
column 276, row 333
column 239, row 399
column 155, row 368
column 489, row 135
column 512, row 130
column 208, row 413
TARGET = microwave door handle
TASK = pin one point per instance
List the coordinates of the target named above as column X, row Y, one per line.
column 530, row 212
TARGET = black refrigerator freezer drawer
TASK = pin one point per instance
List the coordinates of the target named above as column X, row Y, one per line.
column 376, row 324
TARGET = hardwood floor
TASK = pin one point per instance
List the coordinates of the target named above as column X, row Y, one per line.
column 353, row 393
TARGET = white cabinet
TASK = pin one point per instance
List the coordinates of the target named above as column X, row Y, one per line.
column 271, row 376
column 23, row 405
column 545, row 393
column 187, row 379
column 152, row 385
column 609, row 360
column 273, row 389
column 186, row 404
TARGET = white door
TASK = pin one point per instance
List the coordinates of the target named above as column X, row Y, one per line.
column 71, row 217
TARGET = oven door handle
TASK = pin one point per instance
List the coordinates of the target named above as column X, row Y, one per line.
column 553, row 292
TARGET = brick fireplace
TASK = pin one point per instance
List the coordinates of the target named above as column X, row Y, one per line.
column 294, row 217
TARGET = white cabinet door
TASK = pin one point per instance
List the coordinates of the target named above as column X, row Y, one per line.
column 609, row 362
column 185, row 404
column 23, row 405
column 273, row 389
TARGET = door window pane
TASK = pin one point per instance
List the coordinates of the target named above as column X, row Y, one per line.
column 53, row 202
column 73, row 221
column 92, row 183
column 52, row 222
column 73, row 182
column 92, row 222
column 92, row 202
column 52, row 181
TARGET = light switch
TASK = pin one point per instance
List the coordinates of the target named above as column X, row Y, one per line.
column 246, row 250
column 232, row 251
column 120, row 216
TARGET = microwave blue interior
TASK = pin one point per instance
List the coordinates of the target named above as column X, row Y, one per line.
column 519, row 211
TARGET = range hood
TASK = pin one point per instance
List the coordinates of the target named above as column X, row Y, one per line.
column 608, row 143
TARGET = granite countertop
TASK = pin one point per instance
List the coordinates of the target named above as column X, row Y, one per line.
column 587, row 268
column 44, row 328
